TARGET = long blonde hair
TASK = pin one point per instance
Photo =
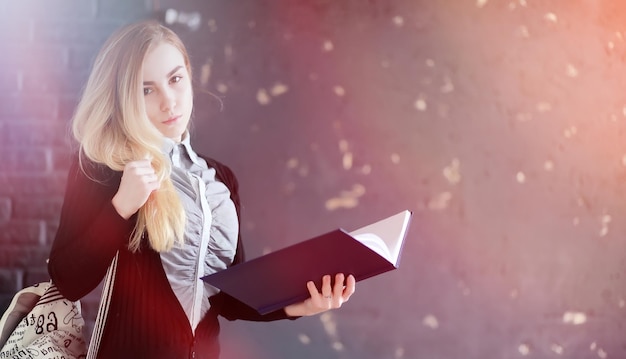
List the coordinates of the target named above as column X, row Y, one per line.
column 112, row 128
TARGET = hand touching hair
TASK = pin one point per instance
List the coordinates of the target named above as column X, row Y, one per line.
column 112, row 127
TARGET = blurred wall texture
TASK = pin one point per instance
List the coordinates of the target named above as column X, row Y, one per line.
column 501, row 124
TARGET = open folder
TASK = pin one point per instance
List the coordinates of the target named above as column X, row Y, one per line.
column 278, row 279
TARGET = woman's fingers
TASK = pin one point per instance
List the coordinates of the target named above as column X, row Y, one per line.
column 139, row 180
column 338, row 287
column 327, row 291
column 139, row 177
column 349, row 289
column 329, row 296
column 338, row 293
column 141, row 170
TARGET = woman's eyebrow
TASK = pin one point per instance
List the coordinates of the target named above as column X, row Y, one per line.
column 169, row 74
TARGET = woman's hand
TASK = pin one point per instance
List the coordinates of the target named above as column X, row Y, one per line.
column 138, row 182
column 330, row 297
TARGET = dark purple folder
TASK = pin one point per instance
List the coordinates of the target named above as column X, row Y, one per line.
column 277, row 279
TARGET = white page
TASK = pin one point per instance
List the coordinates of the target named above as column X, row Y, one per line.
column 389, row 233
column 374, row 243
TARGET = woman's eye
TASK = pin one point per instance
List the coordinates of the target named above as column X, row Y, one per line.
column 147, row 91
column 176, row 79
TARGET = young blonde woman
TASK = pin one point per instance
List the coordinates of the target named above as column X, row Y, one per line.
column 137, row 188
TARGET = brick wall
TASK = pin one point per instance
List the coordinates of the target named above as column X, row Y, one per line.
column 48, row 49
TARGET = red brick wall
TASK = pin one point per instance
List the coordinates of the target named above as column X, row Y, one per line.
column 47, row 52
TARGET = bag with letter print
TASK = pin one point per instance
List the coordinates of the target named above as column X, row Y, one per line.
column 40, row 323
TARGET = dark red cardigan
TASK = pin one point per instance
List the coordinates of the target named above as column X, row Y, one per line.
column 145, row 318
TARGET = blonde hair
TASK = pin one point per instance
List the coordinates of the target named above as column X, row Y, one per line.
column 112, row 128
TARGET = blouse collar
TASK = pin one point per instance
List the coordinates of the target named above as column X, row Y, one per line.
column 175, row 150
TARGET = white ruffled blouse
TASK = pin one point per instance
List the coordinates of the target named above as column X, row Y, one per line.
column 210, row 234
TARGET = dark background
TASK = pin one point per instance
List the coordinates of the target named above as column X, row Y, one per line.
column 501, row 124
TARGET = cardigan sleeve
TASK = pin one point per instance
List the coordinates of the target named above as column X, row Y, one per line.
column 90, row 230
column 233, row 309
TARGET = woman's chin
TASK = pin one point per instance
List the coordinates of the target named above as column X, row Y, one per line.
column 174, row 134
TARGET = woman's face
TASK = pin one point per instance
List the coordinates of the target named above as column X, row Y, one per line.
column 167, row 90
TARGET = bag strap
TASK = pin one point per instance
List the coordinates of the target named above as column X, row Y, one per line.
column 103, row 310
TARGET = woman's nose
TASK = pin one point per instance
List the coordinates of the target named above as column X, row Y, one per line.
column 168, row 101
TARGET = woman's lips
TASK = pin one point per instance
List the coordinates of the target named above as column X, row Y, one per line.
column 171, row 120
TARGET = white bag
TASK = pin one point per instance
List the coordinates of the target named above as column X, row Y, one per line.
column 40, row 323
